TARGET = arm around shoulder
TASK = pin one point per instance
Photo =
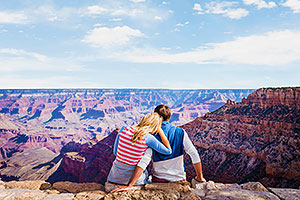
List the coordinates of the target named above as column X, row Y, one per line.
column 156, row 145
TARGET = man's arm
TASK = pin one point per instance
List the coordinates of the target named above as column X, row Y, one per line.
column 141, row 166
column 193, row 153
column 198, row 169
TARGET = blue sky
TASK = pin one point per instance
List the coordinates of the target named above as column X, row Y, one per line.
column 174, row 44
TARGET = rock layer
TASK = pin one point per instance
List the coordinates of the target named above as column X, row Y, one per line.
column 255, row 140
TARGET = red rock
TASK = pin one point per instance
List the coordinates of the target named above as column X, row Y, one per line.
column 255, row 140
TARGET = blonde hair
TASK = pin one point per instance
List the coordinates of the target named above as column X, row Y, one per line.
column 150, row 123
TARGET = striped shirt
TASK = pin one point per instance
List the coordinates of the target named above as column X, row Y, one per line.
column 131, row 154
column 128, row 152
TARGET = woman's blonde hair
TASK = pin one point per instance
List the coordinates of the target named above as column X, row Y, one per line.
column 150, row 123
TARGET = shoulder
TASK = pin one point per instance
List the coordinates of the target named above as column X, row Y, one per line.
column 179, row 130
column 124, row 128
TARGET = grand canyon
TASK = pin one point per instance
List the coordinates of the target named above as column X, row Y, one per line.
column 68, row 134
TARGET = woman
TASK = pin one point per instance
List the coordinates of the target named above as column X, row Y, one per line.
column 130, row 145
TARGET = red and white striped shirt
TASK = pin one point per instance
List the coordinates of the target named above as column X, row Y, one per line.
column 128, row 152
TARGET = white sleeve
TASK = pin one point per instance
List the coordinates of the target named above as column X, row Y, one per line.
column 144, row 162
column 190, row 149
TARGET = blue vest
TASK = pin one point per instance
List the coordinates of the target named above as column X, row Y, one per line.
column 175, row 137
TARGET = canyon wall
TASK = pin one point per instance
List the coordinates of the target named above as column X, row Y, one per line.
column 50, row 121
column 253, row 140
column 239, row 142
column 257, row 139
column 53, row 117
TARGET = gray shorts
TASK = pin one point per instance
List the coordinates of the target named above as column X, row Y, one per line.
column 121, row 173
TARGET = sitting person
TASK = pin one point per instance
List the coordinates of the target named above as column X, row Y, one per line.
column 131, row 144
column 168, row 168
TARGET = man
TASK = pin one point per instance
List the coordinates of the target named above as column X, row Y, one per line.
column 168, row 168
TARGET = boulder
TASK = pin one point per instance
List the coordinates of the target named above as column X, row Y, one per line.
column 91, row 195
column 32, row 185
column 174, row 190
column 254, row 186
column 71, row 187
column 216, row 191
column 238, row 194
column 286, row 193
column 144, row 195
column 168, row 186
column 110, row 186
column 65, row 196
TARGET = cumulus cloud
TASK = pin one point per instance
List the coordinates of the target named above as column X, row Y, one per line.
column 198, row 8
column 293, row 4
column 226, row 9
column 273, row 48
column 96, row 10
column 107, row 37
column 260, row 3
column 13, row 18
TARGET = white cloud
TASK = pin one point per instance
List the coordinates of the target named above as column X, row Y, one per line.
column 185, row 23
column 115, row 19
column 98, row 24
column 158, row 18
column 107, row 37
column 137, row 1
column 276, row 48
column 293, row 4
column 52, row 14
column 96, row 10
column 126, row 12
column 13, row 18
column 198, row 8
column 226, row 9
column 260, row 3
column 14, row 60
column 21, row 52
column 117, row 9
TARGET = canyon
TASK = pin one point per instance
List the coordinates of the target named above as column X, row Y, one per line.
column 53, row 117
column 239, row 139
column 237, row 143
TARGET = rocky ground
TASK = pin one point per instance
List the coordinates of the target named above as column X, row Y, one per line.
column 41, row 190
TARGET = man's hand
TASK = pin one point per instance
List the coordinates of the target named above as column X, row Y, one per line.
column 121, row 188
column 200, row 179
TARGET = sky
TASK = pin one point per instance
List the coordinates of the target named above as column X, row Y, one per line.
column 175, row 44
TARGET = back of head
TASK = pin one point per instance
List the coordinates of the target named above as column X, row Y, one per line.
column 164, row 111
column 150, row 123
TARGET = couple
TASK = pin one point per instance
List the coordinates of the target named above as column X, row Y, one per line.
column 136, row 145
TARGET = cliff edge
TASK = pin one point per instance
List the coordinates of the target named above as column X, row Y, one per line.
column 36, row 190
